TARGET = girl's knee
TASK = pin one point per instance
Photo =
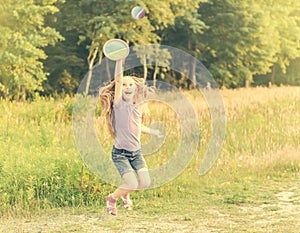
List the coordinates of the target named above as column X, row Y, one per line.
column 133, row 184
column 144, row 178
column 131, row 181
column 144, row 183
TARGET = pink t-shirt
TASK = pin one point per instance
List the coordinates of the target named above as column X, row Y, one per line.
column 127, row 120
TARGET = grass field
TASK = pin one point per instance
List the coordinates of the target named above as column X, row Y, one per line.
column 253, row 187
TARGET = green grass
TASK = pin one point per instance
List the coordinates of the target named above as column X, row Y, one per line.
column 41, row 170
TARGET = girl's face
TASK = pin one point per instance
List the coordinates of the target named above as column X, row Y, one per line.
column 129, row 89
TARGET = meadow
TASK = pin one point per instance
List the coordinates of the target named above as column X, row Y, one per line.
column 254, row 185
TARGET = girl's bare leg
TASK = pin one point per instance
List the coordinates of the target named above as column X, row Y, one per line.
column 131, row 184
column 144, row 178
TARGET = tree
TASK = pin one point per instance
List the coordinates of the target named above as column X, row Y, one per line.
column 66, row 56
column 185, row 34
column 23, row 34
column 154, row 57
column 239, row 42
column 286, row 22
column 98, row 21
column 165, row 17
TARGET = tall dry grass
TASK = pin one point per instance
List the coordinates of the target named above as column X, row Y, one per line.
column 40, row 166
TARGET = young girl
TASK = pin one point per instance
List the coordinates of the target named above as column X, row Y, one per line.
column 121, row 101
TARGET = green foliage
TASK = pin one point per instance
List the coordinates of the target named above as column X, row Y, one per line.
column 285, row 16
column 278, row 77
column 237, row 41
column 246, row 39
column 66, row 59
column 23, row 34
column 185, row 33
column 158, row 58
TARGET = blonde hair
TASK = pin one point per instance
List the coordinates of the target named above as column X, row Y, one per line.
column 107, row 94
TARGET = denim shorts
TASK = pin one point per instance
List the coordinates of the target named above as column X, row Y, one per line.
column 128, row 161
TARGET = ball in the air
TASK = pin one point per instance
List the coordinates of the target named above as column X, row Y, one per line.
column 138, row 12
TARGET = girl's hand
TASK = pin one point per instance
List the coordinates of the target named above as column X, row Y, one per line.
column 156, row 133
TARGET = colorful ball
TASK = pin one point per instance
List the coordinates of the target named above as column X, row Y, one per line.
column 138, row 12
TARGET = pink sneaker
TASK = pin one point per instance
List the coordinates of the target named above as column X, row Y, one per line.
column 127, row 203
column 111, row 205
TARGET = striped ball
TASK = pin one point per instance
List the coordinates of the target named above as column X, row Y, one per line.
column 138, row 12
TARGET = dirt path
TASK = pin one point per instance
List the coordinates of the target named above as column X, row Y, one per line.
column 281, row 214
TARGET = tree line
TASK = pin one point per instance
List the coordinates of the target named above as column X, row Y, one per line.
column 46, row 47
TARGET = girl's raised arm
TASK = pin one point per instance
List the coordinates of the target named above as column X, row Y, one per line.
column 118, row 81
